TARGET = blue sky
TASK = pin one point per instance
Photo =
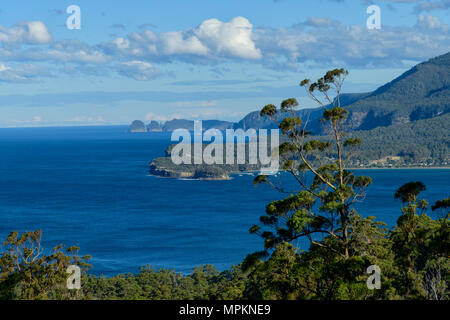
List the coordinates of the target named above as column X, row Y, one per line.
column 215, row 59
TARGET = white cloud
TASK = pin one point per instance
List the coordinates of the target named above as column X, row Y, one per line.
column 73, row 51
column 212, row 39
column 354, row 46
column 121, row 43
column 232, row 38
column 138, row 70
column 431, row 23
column 22, row 73
column 37, row 32
column 175, row 43
column 32, row 32
column 317, row 40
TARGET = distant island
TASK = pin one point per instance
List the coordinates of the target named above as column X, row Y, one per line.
column 138, row 126
column 404, row 123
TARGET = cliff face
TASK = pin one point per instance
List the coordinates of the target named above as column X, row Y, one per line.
column 198, row 174
column 154, row 126
column 164, row 172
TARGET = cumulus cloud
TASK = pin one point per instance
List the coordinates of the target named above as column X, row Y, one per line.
column 176, row 43
column 32, row 32
column 354, row 46
column 37, row 32
column 232, row 38
column 319, row 40
column 211, row 40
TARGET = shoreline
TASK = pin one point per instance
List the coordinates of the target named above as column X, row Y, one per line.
column 256, row 172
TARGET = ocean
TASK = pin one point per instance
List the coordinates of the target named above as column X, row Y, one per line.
column 90, row 187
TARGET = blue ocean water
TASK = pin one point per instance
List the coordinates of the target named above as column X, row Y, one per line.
column 90, row 187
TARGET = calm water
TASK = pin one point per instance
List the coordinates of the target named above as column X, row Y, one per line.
column 90, row 187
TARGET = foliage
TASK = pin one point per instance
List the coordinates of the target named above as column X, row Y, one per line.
column 323, row 207
column 413, row 256
column 204, row 283
column 27, row 273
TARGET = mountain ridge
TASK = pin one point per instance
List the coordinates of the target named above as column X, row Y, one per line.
column 422, row 92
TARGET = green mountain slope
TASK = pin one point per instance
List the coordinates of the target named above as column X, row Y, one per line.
column 422, row 92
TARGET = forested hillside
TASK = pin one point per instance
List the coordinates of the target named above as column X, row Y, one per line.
column 418, row 143
column 422, row 92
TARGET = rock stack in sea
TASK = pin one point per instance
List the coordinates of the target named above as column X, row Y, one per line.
column 155, row 126
column 138, row 126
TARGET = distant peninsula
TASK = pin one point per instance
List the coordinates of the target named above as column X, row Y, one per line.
column 164, row 167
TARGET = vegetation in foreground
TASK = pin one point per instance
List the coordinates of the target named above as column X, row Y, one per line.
column 413, row 256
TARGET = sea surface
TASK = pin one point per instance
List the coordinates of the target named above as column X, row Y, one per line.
column 90, row 187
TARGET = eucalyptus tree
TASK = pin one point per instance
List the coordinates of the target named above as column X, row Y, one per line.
column 421, row 246
column 321, row 208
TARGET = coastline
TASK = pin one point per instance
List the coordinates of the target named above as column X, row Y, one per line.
column 231, row 174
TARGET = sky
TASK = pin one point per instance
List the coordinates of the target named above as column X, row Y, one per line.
column 198, row 59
